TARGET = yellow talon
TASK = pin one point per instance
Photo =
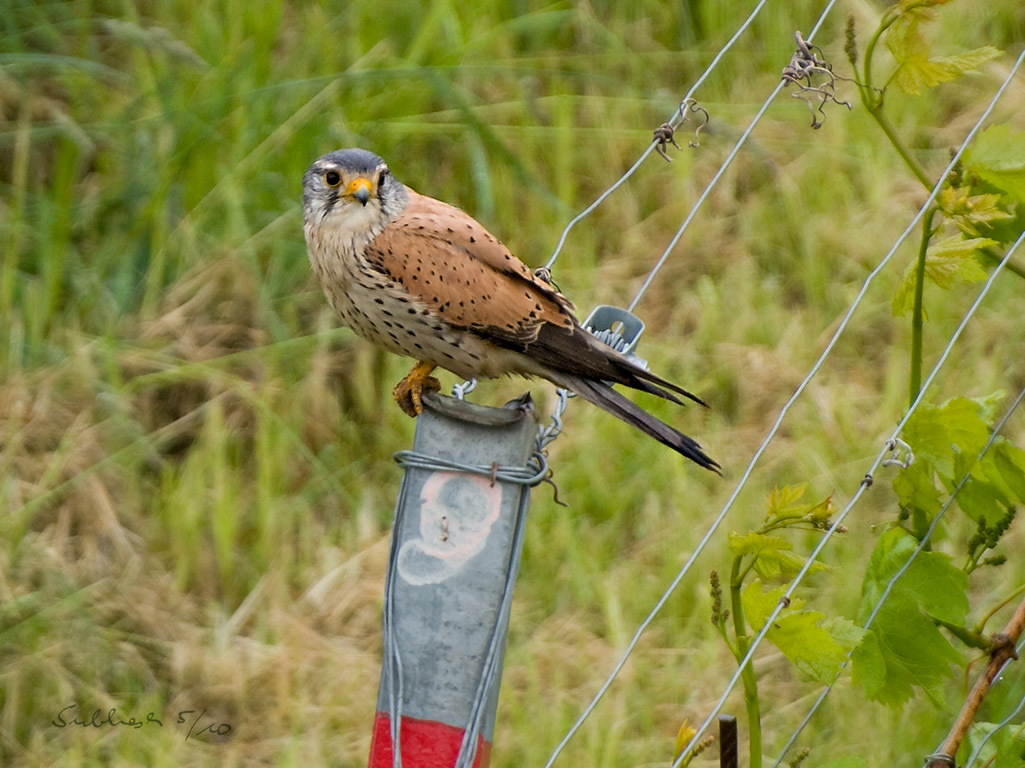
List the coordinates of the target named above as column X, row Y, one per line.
column 408, row 393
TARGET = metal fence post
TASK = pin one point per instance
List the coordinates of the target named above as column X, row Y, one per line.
column 455, row 550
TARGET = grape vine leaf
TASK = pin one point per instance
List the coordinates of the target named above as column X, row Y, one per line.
column 816, row 645
column 948, row 263
column 988, row 405
column 986, row 496
column 1009, row 461
column 916, row 489
column 785, row 502
column 773, row 559
column 938, row 433
column 996, row 482
column 972, row 214
column 1004, row 747
column 684, row 736
column 917, row 69
column 904, row 649
column 997, row 156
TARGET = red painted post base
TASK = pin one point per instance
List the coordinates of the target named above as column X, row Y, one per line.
column 425, row 744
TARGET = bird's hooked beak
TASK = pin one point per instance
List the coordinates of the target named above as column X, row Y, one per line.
column 359, row 188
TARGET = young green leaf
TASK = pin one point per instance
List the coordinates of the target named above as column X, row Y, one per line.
column 917, row 72
column 985, row 496
column 905, row 649
column 988, row 405
column 972, row 213
column 916, row 69
column 998, row 157
column 684, row 736
column 967, row 421
column 1009, row 460
column 948, row 263
column 1004, row 747
column 754, row 543
column 814, row 645
column 773, row 560
column 937, row 433
column 905, row 40
column 916, row 489
column 784, row 502
column 953, row 261
column 822, row 513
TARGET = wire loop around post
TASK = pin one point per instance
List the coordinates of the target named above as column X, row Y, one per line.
column 528, row 476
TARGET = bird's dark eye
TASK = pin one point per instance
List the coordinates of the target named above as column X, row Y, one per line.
column 332, row 178
column 381, row 178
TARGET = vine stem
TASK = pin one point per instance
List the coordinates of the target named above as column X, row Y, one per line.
column 917, row 310
column 985, row 619
column 748, row 677
column 1003, row 652
column 876, row 110
column 872, row 98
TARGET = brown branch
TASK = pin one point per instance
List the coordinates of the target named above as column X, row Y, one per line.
column 1001, row 652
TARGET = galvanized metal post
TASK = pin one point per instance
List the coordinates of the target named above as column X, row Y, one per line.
column 454, row 555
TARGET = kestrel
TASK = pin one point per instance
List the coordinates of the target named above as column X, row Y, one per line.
column 421, row 278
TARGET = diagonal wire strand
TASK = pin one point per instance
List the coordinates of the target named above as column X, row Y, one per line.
column 776, row 426
column 864, row 485
column 719, row 174
column 1003, row 723
column 707, row 191
column 997, row 428
column 393, row 658
column 651, row 147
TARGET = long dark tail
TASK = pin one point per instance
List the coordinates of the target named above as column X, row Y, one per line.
column 608, row 399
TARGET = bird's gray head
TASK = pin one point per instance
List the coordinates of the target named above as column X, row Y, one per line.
column 352, row 189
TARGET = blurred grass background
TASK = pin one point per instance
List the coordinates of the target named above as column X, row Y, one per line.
column 195, row 474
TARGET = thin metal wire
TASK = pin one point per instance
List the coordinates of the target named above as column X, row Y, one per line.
column 601, row 199
column 997, row 428
column 865, row 483
column 530, row 475
column 719, row 174
column 707, row 191
column 547, row 433
column 468, row 747
column 460, row 391
column 651, row 147
column 391, row 644
column 776, row 426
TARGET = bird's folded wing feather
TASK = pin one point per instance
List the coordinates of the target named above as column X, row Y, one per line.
column 456, row 267
column 582, row 354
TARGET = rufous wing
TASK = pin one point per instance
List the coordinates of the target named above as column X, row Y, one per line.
column 449, row 261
